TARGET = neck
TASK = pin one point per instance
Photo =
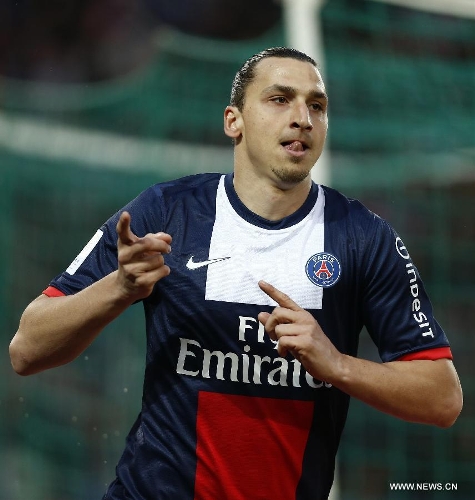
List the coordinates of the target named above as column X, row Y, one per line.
column 271, row 200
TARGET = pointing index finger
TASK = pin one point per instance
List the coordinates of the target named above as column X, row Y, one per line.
column 280, row 297
column 126, row 236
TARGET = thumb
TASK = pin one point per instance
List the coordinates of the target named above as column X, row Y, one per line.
column 263, row 317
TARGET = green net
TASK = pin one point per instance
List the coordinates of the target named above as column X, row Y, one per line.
column 402, row 139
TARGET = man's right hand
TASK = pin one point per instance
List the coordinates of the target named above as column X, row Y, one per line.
column 141, row 262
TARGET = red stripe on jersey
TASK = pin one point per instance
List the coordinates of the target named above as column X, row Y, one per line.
column 249, row 447
column 51, row 291
column 430, row 354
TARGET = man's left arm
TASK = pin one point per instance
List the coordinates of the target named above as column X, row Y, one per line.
column 422, row 391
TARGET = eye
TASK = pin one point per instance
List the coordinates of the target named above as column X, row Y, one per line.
column 280, row 99
column 316, row 106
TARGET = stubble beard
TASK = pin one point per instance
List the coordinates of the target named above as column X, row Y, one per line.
column 290, row 175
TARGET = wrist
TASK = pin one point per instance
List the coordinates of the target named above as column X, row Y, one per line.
column 120, row 294
column 341, row 374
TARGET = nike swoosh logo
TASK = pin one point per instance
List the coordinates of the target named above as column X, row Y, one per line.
column 195, row 265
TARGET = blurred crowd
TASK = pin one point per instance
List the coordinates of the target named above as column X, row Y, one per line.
column 94, row 40
column 72, row 40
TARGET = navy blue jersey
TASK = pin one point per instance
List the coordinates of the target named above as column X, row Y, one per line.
column 223, row 416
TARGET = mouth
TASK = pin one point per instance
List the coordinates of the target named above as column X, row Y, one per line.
column 295, row 147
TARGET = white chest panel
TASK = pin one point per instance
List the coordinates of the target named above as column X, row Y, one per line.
column 253, row 253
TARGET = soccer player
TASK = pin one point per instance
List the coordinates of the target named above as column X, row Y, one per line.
column 255, row 287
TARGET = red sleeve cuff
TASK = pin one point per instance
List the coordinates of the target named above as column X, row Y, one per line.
column 430, row 354
column 51, row 291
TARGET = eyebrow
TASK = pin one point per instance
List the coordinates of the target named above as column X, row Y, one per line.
column 285, row 89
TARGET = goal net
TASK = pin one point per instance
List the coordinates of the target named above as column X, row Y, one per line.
column 402, row 139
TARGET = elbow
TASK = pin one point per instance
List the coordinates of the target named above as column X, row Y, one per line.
column 19, row 361
column 447, row 396
column 450, row 410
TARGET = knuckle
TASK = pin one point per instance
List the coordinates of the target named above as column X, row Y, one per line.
column 122, row 258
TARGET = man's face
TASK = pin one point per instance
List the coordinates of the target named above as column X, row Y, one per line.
column 284, row 120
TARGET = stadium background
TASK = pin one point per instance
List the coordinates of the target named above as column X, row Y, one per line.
column 99, row 99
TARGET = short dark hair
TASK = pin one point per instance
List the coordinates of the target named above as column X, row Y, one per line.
column 247, row 72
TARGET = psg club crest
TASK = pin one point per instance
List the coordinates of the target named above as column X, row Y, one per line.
column 323, row 269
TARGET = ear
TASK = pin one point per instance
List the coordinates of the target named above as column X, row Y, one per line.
column 232, row 122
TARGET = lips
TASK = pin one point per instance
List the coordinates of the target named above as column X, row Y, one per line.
column 296, row 146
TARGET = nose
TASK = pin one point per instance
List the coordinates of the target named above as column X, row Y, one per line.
column 301, row 118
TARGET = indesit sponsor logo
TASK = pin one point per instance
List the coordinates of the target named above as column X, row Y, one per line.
column 417, row 314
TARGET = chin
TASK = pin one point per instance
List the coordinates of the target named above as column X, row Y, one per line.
column 291, row 176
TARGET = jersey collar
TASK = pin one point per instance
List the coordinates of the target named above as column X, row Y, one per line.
column 259, row 221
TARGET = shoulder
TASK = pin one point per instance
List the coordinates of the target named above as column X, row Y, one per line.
column 188, row 190
column 354, row 230
column 343, row 209
column 154, row 206
column 198, row 183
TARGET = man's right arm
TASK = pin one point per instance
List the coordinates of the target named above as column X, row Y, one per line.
column 54, row 331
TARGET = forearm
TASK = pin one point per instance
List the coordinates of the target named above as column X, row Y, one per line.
column 54, row 331
column 419, row 391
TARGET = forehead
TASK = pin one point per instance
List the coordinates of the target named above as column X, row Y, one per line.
column 300, row 75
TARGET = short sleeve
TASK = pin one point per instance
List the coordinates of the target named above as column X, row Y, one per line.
column 396, row 308
column 98, row 258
